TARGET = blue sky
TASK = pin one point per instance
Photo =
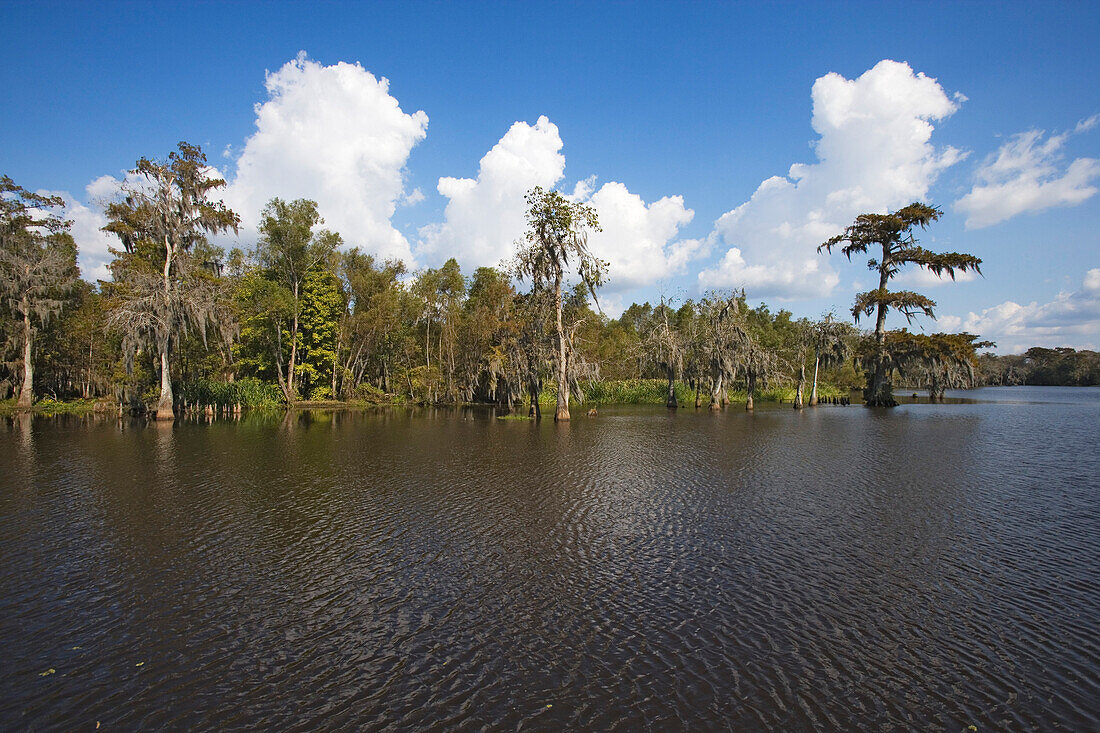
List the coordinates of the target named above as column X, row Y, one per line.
column 682, row 113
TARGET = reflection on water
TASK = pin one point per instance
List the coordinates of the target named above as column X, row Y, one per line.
column 930, row 567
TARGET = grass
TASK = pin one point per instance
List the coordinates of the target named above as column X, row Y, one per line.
column 50, row 406
column 252, row 393
column 655, row 392
column 249, row 392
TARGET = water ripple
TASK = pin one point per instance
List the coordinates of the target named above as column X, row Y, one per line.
column 645, row 570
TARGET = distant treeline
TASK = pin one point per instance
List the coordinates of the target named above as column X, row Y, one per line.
column 1060, row 367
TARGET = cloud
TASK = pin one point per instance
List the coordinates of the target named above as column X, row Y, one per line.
column 1024, row 176
column 873, row 155
column 1071, row 319
column 485, row 216
column 412, row 198
column 1087, row 124
column 637, row 238
column 333, row 134
column 91, row 242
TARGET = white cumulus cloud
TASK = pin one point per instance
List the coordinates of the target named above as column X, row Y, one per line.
column 1070, row 319
column 637, row 239
column 88, row 219
column 333, row 134
column 874, row 154
column 485, row 216
column 1025, row 176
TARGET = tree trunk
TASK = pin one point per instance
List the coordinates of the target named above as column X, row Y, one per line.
column 427, row 342
column 750, row 387
column 801, row 386
column 293, row 349
column 278, row 356
column 813, row 390
column 86, row 383
column 879, row 391
column 562, row 412
column 716, row 392
column 671, row 401
column 164, row 405
column 936, row 388
column 535, row 411
column 26, row 392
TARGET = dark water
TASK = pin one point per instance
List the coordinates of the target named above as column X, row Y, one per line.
column 928, row 568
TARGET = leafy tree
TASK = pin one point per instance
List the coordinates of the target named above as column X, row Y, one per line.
column 580, row 324
column 37, row 267
column 559, row 232
column 322, row 307
column 829, row 339
column 288, row 249
column 692, row 337
column 763, row 340
column 939, row 361
column 265, row 308
column 75, row 356
column 803, row 347
column 489, row 334
column 375, row 329
column 439, row 293
column 164, row 211
column 722, row 335
column 662, row 344
column 893, row 233
column 532, row 353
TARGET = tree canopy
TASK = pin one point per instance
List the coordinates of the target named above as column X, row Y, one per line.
column 893, row 235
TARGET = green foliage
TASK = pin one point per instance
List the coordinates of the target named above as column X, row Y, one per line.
column 322, row 307
column 51, row 406
column 1062, row 366
column 248, row 392
column 296, row 318
column 38, row 274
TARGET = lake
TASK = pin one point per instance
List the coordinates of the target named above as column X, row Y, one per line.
column 930, row 567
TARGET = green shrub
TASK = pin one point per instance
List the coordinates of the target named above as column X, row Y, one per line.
column 247, row 392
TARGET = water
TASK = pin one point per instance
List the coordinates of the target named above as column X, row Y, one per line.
column 930, row 567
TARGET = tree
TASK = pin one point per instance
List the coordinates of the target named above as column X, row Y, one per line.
column 373, row 331
column 663, row 344
column 559, row 232
column 37, row 266
column 939, row 361
column 439, row 293
column 323, row 304
column 762, row 338
column 287, row 250
column 489, row 334
column 830, row 347
column 163, row 213
column 894, row 234
column 721, row 335
column 804, row 343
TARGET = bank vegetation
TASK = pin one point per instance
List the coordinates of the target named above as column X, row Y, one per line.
column 299, row 316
